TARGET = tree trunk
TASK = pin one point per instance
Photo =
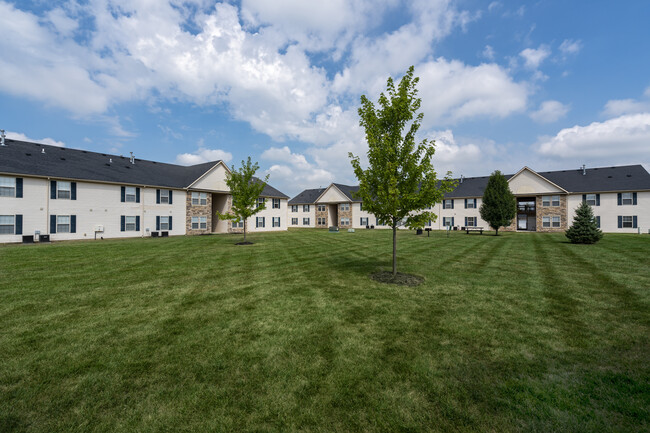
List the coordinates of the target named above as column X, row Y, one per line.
column 394, row 247
column 497, row 232
column 244, row 230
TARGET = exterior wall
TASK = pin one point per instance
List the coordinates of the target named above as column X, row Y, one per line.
column 214, row 180
column 198, row 211
column 528, row 183
column 609, row 211
column 268, row 215
column 551, row 211
column 358, row 214
column 458, row 213
column 300, row 215
column 96, row 204
column 333, row 195
column 345, row 214
column 322, row 214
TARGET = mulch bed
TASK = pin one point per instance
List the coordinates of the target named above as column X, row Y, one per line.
column 244, row 243
column 399, row 279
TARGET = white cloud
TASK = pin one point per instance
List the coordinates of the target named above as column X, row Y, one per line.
column 494, row 5
column 618, row 107
column 570, row 46
column 291, row 172
column 622, row 139
column 203, row 154
column 488, row 52
column 22, row 137
column 533, row 57
column 549, row 112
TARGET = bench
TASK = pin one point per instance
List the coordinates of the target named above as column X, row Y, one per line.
column 474, row 229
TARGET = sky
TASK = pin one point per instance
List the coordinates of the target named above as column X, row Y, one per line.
column 504, row 84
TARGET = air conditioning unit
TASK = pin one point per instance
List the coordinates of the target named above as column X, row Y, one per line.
column 99, row 228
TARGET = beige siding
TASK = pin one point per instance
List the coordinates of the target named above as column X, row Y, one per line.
column 527, row 182
column 301, row 214
column 609, row 211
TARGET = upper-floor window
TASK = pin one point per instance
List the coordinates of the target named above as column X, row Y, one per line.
column 321, row 208
column 129, row 194
column 164, row 196
column 590, row 199
column 64, row 190
column 627, row 198
column 294, row 208
column 344, row 207
column 305, row 208
column 276, row 221
column 6, row 224
column 361, row 207
column 199, row 198
column 551, row 200
column 260, row 202
column 276, row 203
column 448, row 204
column 470, row 203
column 8, row 188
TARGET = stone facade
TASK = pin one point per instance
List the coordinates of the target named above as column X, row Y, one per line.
column 322, row 214
column 198, row 211
column 551, row 211
column 345, row 214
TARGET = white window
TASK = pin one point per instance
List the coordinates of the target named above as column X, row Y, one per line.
column 471, row 221
column 446, row 221
column 546, row 221
column 627, row 198
column 6, row 224
column 64, row 190
column 305, row 208
column 428, row 224
column 129, row 223
column 448, row 204
column 361, row 206
column 259, row 222
column 555, row 200
column 8, row 188
column 164, row 220
column 322, row 221
column 305, row 221
column 164, row 196
column 63, row 223
column 628, row 222
column 597, row 218
column 260, row 202
column 546, row 200
column 591, row 199
column 294, row 221
column 364, row 221
column 556, row 221
column 321, row 208
column 129, row 193
column 276, row 221
column 344, row 207
column 199, row 198
column 470, row 203
column 345, row 221
column 238, row 224
column 199, row 223
column 276, row 203
column 294, row 208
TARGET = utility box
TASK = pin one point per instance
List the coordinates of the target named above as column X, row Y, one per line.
column 99, row 228
column 37, row 234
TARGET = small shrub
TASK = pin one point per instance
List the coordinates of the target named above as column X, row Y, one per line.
column 584, row 229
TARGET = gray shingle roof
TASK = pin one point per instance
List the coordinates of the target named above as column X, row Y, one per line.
column 308, row 196
column 349, row 191
column 269, row 191
column 25, row 158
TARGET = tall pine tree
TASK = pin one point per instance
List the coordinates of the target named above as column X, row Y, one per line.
column 499, row 204
column 584, row 229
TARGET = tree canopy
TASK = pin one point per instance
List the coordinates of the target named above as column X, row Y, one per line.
column 399, row 184
column 499, row 205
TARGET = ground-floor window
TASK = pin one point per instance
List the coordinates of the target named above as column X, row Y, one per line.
column 428, row 224
column 294, row 221
column 627, row 222
column 551, row 221
column 470, row 221
column 447, row 221
column 322, row 221
column 199, row 223
column 63, row 223
column 6, row 224
column 276, row 221
column 129, row 224
column 345, row 221
column 164, row 223
column 364, row 221
column 555, row 221
column 259, row 222
column 305, row 221
column 238, row 224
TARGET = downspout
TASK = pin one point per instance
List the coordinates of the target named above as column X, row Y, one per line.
column 47, row 206
column 142, row 211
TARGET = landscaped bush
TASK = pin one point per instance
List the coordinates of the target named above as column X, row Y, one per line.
column 584, row 229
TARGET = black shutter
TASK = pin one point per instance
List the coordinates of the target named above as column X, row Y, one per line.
column 475, row 204
column 123, row 199
column 452, row 220
column 634, row 198
column 452, row 205
column 465, row 203
column 73, row 223
column 137, row 195
column 53, row 189
column 634, row 222
column 465, row 221
column 597, row 199
column 137, row 223
column 584, row 198
column 73, row 190
column 157, row 197
column 170, row 197
column 19, row 224
column 620, row 221
column 52, row 224
column 620, row 199
column 170, row 218
column 19, row 187
column 598, row 221
column 122, row 220
column 158, row 222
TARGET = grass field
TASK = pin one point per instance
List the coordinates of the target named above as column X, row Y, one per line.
column 521, row 332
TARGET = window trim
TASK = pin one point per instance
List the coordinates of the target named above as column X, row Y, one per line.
column 126, row 223
column 162, row 196
column 294, row 221
column 12, row 225
column 305, row 208
column 631, row 222
column 305, row 221
column 587, row 199
column 14, row 187
column 166, row 217
column 294, row 208
column 60, row 190
column 344, row 207
column 275, row 203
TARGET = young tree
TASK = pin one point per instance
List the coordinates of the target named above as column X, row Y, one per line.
column 499, row 204
column 400, row 182
column 584, row 229
column 245, row 189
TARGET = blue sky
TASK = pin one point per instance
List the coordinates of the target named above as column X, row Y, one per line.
column 548, row 84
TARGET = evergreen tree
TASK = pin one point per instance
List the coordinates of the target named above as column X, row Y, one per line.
column 584, row 229
column 499, row 204
column 245, row 189
column 400, row 182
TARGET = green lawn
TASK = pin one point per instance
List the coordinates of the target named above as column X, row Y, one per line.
column 521, row 332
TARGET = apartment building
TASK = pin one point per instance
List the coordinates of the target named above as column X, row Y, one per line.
column 546, row 201
column 77, row 194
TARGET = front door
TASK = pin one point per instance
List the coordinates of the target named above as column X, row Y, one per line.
column 522, row 222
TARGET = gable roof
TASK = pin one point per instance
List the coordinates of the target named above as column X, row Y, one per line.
column 308, row 196
column 538, row 176
column 269, row 191
column 349, row 191
column 35, row 159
